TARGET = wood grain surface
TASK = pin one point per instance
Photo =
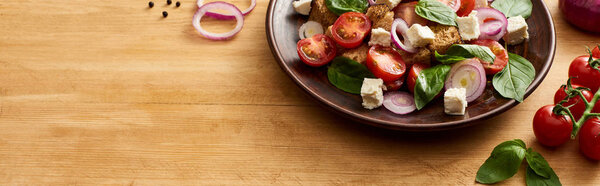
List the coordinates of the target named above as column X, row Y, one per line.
column 109, row 92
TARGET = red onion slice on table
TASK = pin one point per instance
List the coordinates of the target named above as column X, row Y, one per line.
column 489, row 20
column 400, row 25
column 468, row 74
column 399, row 102
column 227, row 16
column 218, row 5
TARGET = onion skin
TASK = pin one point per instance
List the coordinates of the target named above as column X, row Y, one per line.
column 584, row 14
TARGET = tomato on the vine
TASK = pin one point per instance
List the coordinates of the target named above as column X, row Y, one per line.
column 596, row 52
column 317, row 50
column 499, row 51
column 589, row 138
column 551, row 129
column 579, row 107
column 350, row 29
column 583, row 74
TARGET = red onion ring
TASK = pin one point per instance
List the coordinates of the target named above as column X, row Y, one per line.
column 218, row 5
column 400, row 25
column 491, row 27
column 399, row 102
column 497, row 17
column 371, row 2
column 466, row 67
column 227, row 16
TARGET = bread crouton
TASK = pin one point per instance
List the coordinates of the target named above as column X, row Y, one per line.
column 358, row 54
column 445, row 36
column 321, row 14
column 381, row 16
column 328, row 32
column 421, row 56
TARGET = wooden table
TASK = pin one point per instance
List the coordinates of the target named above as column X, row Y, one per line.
column 110, row 92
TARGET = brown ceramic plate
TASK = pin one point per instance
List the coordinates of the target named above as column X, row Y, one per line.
column 282, row 31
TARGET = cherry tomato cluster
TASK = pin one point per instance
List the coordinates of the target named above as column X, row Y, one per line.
column 576, row 110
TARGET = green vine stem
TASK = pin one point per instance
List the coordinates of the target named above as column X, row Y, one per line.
column 586, row 114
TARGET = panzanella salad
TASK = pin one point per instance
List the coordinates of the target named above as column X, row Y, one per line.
column 403, row 55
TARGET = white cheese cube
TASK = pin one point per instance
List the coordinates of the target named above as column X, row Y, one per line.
column 302, row 6
column 419, row 35
column 481, row 4
column 455, row 101
column 372, row 93
column 516, row 31
column 468, row 27
column 380, row 36
column 391, row 3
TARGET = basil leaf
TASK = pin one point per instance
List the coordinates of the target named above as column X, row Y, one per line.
column 538, row 164
column 512, row 8
column 347, row 74
column 533, row 179
column 429, row 84
column 459, row 52
column 503, row 163
column 513, row 80
column 342, row 6
column 436, row 11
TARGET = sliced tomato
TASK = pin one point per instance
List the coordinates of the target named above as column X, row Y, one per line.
column 413, row 74
column 453, row 4
column 350, row 29
column 385, row 63
column 499, row 51
column 317, row 50
column 466, row 6
column 394, row 85
column 406, row 11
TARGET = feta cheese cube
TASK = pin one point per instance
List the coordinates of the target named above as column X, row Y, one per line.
column 380, row 36
column 302, row 6
column 455, row 101
column 481, row 4
column 516, row 31
column 372, row 93
column 419, row 35
column 391, row 3
column 468, row 27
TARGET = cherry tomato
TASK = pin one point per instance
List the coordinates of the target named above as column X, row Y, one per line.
column 406, row 11
column 466, row 6
column 385, row 63
column 584, row 74
column 317, row 50
column 589, row 138
column 350, row 29
column 550, row 129
column 499, row 51
column 596, row 52
column 413, row 74
column 578, row 109
column 394, row 85
column 453, row 4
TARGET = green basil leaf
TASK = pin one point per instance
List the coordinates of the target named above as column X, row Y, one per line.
column 513, row 80
column 347, row 74
column 429, row 84
column 512, row 8
column 533, row 179
column 436, row 11
column 503, row 163
column 457, row 52
column 342, row 6
column 538, row 163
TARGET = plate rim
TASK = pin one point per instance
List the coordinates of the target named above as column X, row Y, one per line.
column 404, row 126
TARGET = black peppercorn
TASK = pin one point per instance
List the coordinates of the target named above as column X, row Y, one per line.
column 165, row 14
column 169, row 2
column 151, row 4
column 177, row 4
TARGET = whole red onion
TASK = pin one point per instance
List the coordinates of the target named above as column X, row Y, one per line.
column 584, row 14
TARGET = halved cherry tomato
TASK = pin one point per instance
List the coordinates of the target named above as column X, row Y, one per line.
column 406, row 11
column 385, row 63
column 596, row 52
column 579, row 107
column 317, row 50
column 499, row 51
column 413, row 74
column 394, row 85
column 589, row 138
column 551, row 129
column 453, row 4
column 350, row 29
column 466, row 6
column 584, row 74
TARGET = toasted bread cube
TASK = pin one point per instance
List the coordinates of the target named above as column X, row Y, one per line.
column 381, row 16
column 423, row 55
column 445, row 36
column 358, row 54
column 321, row 14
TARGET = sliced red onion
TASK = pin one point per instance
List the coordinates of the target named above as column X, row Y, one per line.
column 218, row 5
column 371, row 2
column 399, row 25
column 227, row 16
column 489, row 18
column 399, row 102
column 468, row 74
column 309, row 29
